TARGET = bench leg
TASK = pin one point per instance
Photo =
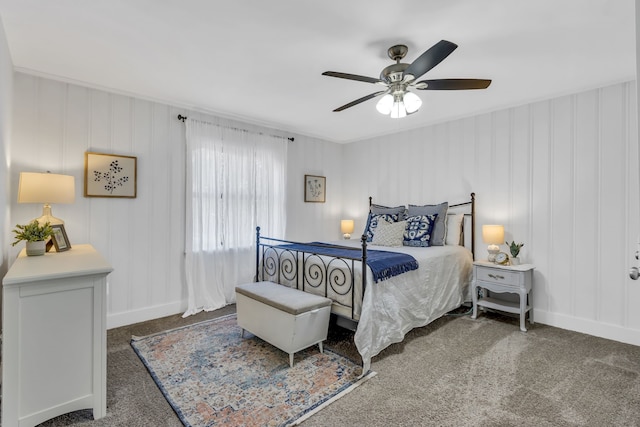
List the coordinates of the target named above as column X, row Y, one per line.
column 291, row 360
column 320, row 345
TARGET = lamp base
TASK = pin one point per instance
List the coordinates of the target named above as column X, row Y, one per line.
column 346, row 236
column 47, row 217
column 493, row 250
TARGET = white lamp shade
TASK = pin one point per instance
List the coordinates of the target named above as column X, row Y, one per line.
column 384, row 105
column 346, row 226
column 493, row 234
column 412, row 102
column 46, row 188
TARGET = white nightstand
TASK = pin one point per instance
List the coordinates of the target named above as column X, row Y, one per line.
column 516, row 279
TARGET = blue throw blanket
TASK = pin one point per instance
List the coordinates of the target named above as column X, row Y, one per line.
column 383, row 264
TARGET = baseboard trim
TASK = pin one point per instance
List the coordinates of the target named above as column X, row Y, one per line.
column 590, row 327
column 116, row 320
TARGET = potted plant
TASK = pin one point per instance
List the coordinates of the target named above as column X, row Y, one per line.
column 514, row 248
column 35, row 235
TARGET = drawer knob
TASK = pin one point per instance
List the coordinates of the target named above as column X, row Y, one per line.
column 496, row 276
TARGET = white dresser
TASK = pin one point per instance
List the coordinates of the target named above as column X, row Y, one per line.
column 54, row 336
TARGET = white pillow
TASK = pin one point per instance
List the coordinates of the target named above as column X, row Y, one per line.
column 454, row 228
column 389, row 233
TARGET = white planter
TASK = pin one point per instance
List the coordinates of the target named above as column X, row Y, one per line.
column 36, row 248
column 515, row 260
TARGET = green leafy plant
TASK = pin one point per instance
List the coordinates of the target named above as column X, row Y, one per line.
column 32, row 232
column 514, row 248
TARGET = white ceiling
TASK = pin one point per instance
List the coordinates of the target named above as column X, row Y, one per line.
column 261, row 61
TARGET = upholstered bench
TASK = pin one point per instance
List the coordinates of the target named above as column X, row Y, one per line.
column 286, row 318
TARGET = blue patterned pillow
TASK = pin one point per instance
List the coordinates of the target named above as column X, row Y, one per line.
column 372, row 223
column 419, row 229
column 440, row 228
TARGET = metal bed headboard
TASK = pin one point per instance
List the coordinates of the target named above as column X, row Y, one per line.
column 471, row 214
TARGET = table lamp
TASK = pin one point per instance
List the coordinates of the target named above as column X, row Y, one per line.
column 493, row 235
column 46, row 188
column 346, row 227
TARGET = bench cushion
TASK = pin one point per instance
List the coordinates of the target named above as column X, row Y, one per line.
column 283, row 298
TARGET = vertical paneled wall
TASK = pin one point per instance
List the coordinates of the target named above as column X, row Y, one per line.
column 313, row 221
column 6, row 91
column 55, row 123
column 561, row 175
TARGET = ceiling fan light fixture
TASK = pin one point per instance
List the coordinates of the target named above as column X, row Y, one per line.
column 385, row 104
column 412, row 102
column 398, row 111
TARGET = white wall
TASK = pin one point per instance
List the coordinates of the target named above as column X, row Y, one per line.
column 561, row 175
column 6, row 91
column 143, row 238
column 54, row 124
column 313, row 221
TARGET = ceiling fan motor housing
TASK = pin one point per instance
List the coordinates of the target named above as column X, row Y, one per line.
column 393, row 73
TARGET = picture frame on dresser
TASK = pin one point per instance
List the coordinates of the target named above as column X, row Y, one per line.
column 59, row 238
column 315, row 188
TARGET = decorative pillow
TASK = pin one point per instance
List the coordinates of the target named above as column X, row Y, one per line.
column 454, row 229
column 440, row 227
column 397, row 210
column 391, row 215
column 418, row 230
column 389, row 234
column 374, row 220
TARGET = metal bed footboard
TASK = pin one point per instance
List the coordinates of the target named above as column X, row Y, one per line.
column 333, row 277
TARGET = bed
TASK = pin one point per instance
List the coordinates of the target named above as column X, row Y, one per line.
column 428, row 275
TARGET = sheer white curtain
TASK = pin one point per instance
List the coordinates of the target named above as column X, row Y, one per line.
column 235, row 182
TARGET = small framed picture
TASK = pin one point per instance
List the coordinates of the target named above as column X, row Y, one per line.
column 315, row 188
column 59, row 238
column 109, row 175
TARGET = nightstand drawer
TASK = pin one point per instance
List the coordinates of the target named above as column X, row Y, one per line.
column 498, row 276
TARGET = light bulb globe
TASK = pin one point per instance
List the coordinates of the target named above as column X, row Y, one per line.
column 385, row 104
column 398, row 111
column 412, row 102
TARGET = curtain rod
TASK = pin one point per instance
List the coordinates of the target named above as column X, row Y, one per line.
column 183, row 118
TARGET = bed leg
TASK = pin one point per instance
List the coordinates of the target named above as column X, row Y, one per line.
column 291, row 360
column 241, row 332
column 320, row 346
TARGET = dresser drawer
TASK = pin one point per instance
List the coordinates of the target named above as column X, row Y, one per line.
column 494, row 275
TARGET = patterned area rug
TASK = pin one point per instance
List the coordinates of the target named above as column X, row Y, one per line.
column 213, row 377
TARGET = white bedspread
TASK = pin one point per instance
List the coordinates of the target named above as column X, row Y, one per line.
column 393, row 307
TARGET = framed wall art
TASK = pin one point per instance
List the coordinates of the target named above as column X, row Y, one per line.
column 109, row 175
column 59, row 238
column 315, row 188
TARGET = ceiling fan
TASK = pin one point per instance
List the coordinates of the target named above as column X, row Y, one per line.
column 398, row 78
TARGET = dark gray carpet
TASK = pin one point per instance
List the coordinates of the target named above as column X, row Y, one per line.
column 454, row 372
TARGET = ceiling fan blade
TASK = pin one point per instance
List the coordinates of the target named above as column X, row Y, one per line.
column 358, row 101
column 454, row 84
column 429, row 59
column 352, row 77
